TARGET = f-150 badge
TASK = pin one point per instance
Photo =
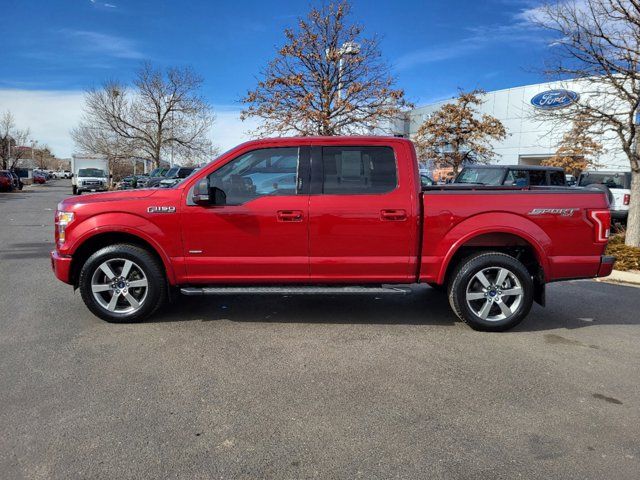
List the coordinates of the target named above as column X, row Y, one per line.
column 565, row 212
column 163, row 209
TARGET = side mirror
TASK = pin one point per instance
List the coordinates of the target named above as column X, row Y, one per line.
column 201, row 192
column 218, row 197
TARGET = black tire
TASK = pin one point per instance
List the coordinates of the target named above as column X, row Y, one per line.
column 464, row 278
column 74, row 189
column 156, row 289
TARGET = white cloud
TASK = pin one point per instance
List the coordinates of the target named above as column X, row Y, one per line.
column 51, row 114
column 96, row 42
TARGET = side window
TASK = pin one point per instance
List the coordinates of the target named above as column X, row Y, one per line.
column 537, row 177
column 516, row 178
column 358, row 170
column 557, row 179
column 268, row 171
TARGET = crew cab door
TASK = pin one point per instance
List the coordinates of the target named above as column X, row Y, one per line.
column 261, row 233
column 363, row 215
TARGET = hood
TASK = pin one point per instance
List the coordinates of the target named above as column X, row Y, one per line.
column 106, row 197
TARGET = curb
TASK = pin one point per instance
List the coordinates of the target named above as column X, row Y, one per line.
column 618, row 276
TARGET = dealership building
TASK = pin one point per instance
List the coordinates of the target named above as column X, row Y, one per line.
column 530, row 138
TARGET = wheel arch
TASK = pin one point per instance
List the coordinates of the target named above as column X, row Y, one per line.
column 512, row 234
column 105, row 237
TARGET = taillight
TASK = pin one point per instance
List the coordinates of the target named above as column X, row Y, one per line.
column 627, row 199
column 602, row 222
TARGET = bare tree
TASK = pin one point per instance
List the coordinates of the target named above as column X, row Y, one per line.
column 161, row 115
column 598, row 42
column 11, row 138
column 118, row 150
column 457, row 134
column 326, row 80
column 577, row 150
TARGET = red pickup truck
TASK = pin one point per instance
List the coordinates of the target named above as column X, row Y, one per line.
column 328, row 215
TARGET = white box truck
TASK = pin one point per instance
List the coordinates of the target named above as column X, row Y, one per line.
column 90, row 173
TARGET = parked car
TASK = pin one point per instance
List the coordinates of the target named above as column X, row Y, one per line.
column 156, row 173
column 172, row 174
column 426, row 180
column 6, row 181
column 62, row 174
column 17, row 181
column 355, row 219
column 39, row 177
column 129, row 182
column 616, row 185
column 512, row 175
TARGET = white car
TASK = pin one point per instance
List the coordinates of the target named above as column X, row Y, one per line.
column 617, row 185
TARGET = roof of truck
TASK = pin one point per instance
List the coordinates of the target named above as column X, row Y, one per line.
column 516, row 167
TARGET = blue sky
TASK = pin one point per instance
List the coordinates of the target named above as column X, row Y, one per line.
column 55, row 49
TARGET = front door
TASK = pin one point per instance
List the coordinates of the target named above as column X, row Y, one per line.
column 362, row 218
column 261, row 234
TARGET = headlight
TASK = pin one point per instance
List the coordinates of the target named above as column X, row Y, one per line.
column 62, row 220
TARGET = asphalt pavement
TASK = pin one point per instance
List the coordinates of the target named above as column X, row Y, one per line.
column 307, row 387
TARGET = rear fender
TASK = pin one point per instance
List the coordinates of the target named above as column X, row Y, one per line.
column 494, row 222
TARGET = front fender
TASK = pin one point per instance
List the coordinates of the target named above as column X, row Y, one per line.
column 493, row 222
column 127, row 223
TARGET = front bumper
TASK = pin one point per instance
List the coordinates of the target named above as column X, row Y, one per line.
column 606, row 265
column 61, row 265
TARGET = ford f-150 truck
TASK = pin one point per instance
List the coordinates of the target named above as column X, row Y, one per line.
column 329, row 215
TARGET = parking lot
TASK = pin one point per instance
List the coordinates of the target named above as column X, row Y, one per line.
column 307, row 387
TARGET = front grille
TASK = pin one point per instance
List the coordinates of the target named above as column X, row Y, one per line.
column 91, row 183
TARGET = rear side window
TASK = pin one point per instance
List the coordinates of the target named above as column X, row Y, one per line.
column 537, row 177
column 557, row 179
column 517, row 178
column 358, row 170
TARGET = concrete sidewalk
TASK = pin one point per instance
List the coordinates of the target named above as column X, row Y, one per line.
column 618, row 276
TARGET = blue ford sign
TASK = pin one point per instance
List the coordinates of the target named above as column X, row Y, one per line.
column 552, row 99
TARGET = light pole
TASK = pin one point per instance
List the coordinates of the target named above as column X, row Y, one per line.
column 348, row 48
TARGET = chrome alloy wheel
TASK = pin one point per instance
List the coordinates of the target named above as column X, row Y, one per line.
column 119, row 285
column 494, row 294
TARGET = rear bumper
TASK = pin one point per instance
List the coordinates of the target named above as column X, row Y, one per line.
column 619, row 214
column 606, row 265
column 61, row 265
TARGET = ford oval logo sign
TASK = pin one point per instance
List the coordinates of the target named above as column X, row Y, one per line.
column 552, row 99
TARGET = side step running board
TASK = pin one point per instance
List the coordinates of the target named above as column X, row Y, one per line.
column 295, row 290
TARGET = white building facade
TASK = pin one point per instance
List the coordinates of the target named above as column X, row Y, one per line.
column 530, row 138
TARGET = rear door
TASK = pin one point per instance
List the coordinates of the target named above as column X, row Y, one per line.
column 362, row 215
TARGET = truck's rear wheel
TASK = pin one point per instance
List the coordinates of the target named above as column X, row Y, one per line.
column 122, row 283
column 491, row 291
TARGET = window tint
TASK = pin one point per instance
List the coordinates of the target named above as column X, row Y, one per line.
column 611, row 180
column 516, row 178
column 357, row 170
column 482, row 176
column 269, row 171
column 537, row 177
column 557, row 178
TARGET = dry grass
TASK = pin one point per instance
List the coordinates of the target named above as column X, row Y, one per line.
column 627, row 258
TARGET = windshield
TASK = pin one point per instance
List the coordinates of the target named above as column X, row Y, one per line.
column 173, row 172
column 484, row 176
column 611, row 180
column 90, row 172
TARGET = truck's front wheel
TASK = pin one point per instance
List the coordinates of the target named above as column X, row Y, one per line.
column 491, row 291
column 74, row 189
column 122, row 283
